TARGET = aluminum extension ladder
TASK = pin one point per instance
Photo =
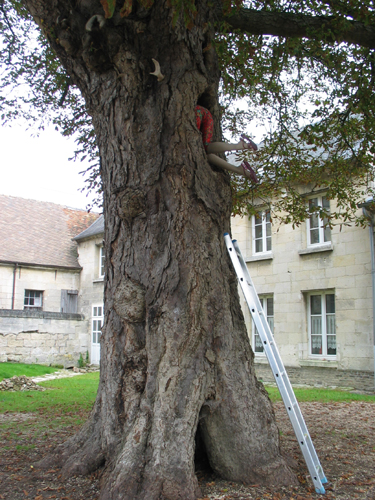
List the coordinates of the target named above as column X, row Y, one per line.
column 277, row 366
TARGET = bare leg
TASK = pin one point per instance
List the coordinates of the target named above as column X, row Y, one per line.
column 221, row 147
column 244, row 169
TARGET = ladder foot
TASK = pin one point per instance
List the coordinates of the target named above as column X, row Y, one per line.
column 320, row 491
column 324, row 480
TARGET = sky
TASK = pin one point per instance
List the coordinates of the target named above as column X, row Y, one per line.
column 38, row 168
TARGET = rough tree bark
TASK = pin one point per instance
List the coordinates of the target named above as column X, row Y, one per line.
column 175, row 356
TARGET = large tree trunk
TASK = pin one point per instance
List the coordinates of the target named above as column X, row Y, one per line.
column 175, row 356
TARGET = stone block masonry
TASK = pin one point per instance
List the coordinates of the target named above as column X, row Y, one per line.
column 321, row 377
column 43, row 337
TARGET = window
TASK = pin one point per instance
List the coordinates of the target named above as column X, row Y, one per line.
column 97, row 322
column 262, row 232
column 267, row 306
column 101, row 262
column 317, row 232
column 322, row 324
column 33, row 299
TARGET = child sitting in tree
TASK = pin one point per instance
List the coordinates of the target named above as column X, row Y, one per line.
column 206, row 125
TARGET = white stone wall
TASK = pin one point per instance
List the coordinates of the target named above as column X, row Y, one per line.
column 50, row 281
column 46, row 338
column 290, row 275
column 91, row 285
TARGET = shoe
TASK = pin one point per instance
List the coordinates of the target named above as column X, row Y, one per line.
column 245, row 139
column 249, row 172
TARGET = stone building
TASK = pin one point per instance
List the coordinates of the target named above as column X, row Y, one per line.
column 315, row 285
column 41, row 315
column 91, row 258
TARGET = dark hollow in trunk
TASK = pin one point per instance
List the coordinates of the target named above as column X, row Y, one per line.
column 174, row 354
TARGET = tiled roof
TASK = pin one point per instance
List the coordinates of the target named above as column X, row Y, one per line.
column 95, row 229
column 40, row 233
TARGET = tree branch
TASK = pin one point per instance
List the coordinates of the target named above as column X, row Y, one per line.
column 329, row 29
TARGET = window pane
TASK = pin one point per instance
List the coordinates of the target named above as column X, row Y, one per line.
column 258, row 232
column 314, row 236
column 270, row 306
column 270, row 323
column 331, row 324
column 331, row 344
column 325, row 203
column 258, row 343
column 95, row 312
column 258, row 245
column 316, row 304
column 330, row 303
column 314, row 221
column 327, row 233
column 258, row 220
column 94, row 337
column 268, row 230
column 316, row 325
column 316, row 344
column 268, row 217
column 100, row 311
column 269, row 244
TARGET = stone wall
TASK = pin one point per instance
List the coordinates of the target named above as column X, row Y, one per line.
column 321, row 377
column 48, row 280
column 43, row 337
column 293, row 271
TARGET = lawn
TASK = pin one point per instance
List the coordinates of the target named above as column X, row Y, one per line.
column 32, row 424
column 64, row 395
column 321, row 395
column 9, row 370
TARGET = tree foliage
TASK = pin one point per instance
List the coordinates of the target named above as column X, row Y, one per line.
column 304, row 72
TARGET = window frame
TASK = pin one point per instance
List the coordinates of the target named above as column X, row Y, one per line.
column 320, row 227
column 264, row 236
column 95, row 317
column 323, row 314
column 29, row 307
column 101, row 262
column 263, row 300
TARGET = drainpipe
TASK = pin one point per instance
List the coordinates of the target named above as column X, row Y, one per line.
column 368, row 215
column 14, row 284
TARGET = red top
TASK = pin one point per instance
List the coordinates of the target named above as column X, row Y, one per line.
column 205, row 124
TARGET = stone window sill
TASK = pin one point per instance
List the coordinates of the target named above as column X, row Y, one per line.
column 319, row 363
column 98, row 280
column 263, row 256
column 327, row 247
column 261, row 359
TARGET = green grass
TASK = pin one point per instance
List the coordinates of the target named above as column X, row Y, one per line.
column 65, row 395
column 9, row 370
column 320, row 395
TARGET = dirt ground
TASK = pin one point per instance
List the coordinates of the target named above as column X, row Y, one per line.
column 343, row 435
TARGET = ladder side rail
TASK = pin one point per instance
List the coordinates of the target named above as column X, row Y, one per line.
column 252, row 300
column 295, row 416
column 278, row 369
